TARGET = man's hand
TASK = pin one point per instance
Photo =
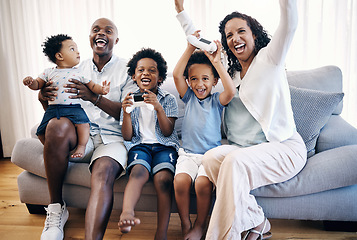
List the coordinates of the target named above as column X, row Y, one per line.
column 48, row 92
column 79, row 90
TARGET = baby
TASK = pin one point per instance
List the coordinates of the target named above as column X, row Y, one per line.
column 63, row 51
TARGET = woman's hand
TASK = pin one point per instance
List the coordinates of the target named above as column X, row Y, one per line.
column 80, row 90
column 179, row 6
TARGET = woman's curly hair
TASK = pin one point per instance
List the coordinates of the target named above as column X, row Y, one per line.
column 53, row 45
column 261, row 39
column 148, row 53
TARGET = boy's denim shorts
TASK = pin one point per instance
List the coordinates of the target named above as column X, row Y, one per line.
column 154, row 157
column 74, row 113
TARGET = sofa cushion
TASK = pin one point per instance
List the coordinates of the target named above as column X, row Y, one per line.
column 331, row 169
column 336, row 133
column 325, row 78
column 169, row 85
column 312, row 109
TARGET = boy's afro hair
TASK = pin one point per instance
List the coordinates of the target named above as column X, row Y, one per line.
column 199, row 57
column 53, row 45
column 148, row 53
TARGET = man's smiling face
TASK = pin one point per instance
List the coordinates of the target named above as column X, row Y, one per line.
column 103, row 36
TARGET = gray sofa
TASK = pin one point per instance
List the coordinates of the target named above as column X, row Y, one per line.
column 326, row 189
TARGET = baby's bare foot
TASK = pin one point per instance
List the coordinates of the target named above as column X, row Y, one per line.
column 127, row 220
column 79, row 152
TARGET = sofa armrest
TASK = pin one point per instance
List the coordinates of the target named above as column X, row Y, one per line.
column 28, row 154
column 336, row 133
column 34, row 130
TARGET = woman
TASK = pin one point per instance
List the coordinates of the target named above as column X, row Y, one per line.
column 264, row 146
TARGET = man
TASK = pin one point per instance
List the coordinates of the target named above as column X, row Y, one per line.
column 105, row 150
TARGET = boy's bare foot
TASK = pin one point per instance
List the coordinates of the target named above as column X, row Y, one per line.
column 127, row 220
column 195, row 233
column 186, row 227
column 79, row 152
column 160, row 236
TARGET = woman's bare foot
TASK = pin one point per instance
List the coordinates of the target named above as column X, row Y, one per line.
column 262, row 228
column 195, row 233
column 127, row 220
column 79, row 152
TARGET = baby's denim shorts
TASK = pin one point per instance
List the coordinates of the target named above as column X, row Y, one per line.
column 154, row 157
column 74, row 113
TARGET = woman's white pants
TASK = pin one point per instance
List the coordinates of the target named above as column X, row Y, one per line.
column 236, row 171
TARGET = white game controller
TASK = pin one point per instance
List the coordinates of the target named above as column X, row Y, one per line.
column 202, row 43
column 138, row 101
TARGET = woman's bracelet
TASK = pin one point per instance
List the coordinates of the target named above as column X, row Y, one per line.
column 98, row 100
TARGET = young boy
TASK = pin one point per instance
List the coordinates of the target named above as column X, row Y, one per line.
column 62, row 50
column 150, row 139
column 195, row 74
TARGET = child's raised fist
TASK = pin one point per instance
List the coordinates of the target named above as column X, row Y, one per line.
column 28, row 81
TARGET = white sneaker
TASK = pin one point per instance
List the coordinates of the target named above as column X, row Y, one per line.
column 56, row 219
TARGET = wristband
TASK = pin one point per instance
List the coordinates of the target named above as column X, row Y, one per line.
column 98, row 99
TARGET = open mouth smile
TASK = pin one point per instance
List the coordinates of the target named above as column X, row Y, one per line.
column 239, row 48
column 201, row 91
column 100, row 42
column 145, row 81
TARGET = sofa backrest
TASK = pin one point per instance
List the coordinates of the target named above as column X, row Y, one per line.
column 326, row 79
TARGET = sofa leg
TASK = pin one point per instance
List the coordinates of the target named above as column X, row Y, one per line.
column 341, row 226
column 36, row 209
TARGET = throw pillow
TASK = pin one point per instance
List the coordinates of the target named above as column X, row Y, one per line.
column 312, row 109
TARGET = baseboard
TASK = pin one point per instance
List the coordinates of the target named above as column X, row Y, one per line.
column 36, row 209
column 340, row 226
